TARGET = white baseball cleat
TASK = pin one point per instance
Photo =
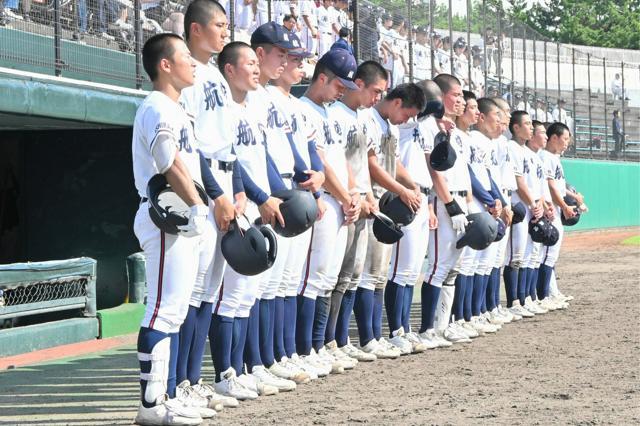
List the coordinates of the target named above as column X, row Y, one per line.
column 374, row 347
column 517, row 309
column 454, row 335
column 337, row 366
column 216, row 401
column 312, row 360
column 398, row 340
column 467, row 328
column 298, row 374
column 289, row 372
column 482, row 326
column 497, row 322
column 388, row 346
column 356, row 353
column 307, row 368
column 347, row 362
column 507, row 313
column 416, row 345
column 429, row 339
column 229, row 386
column 252, row 383
column 533, row 307
column 266, row 377
column 168, row 412
column 185, row 393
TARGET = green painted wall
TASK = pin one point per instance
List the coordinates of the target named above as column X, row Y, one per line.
column 611, row 190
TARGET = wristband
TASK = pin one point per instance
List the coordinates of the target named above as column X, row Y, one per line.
column 453, row 209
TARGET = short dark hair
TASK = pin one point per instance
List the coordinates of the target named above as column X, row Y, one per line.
column 230, row 54
column 467, row 94
column 344, row 32
column 446, row 82
column 430, row 89
column 370, row 72
column 485, row 105
column 201, row 12
column 516, row 118
column 411, row 95
column 288, row 17
column 158, row 47
column 557, row 129
column 537, row 123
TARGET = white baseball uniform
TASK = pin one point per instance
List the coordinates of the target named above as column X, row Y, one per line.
column 503, row 175
column 519, row 231
column 171, row 260
column 326, row 18
column 537, row 184
column 553, row 170
column 308, row 9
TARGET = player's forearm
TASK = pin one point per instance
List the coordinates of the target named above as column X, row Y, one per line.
column 332, row 184
column 555, row 194
column 523, row 191
column 403, row 176
column 180, row 180
column 382, row 178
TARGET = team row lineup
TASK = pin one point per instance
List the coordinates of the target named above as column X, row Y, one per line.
column 267, row 220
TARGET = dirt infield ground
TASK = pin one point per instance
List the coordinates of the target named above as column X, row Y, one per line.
column 579, row 366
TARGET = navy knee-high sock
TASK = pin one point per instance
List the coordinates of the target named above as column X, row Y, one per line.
column 173, row 364
column 342, row 326
column 363, row 309
column 457, row 310
column 252, row 346
column 267, row 319
column 406, row 309
column 335, row 303
column 290, row 318
column 490, row 303
column 278, row 328
column 468, row 297
column 544, row 280
column 533, row 281
column 477, row 296
column 495, row 277
column 523, row 274
column 320, row 319
column 511, row 284
column 304, row 326
column 147, row 339
column 376, row 321
column 187, row 330
column 429, row 298
column 220, row 342
column 394, row 303
column 196, row 355
column 483, row 296
column 238, row 342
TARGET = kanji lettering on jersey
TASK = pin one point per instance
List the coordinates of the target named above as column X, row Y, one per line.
column 211, row 95
column 245, row 135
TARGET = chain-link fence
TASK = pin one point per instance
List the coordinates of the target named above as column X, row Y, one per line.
column 494, row 54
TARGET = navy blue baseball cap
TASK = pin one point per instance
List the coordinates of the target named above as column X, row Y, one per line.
column 342, row 63
column 272, row 33
column 298, row 49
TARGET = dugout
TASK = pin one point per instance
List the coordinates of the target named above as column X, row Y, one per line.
column 66, row 183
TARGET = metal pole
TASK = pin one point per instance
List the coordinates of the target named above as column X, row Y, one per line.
column 483, row 34
column 573, row 96
column 138, row 42
column 410, row 37
column 450, row 38
column 431, row 8
column 606, row 127
column 513, row 78
column 500, row 47
column 57, row 34
column 624, row 129
column 535, row 71
column 589, row 103
column 269, row 11
column 524, row 68
column 470, row 62
column 232, row 20
column 356, row 29
column 558, row 53
column 546, row 94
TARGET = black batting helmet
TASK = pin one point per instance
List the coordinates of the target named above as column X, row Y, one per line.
column 519, row 212
column 500, row 230
column 251, row 251
column 543, row 231
column 480, row 232
column 299, row 211
column 443, row 156
column 166, row 209
column 391, row 205
column 572, row 220
column 385, row 230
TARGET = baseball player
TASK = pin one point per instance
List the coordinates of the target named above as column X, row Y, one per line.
column 207, row 102
column 333, row 74
column 421, row 55
column 163, row 142
column 515, row 282
column 327, row 26
column 371, row 80
column 452, row 194
column 559, row 138
column 304, row 136
column 238, row 294
column 538, row 185
column 310, row 25
column 407, row 255
column 387, row 174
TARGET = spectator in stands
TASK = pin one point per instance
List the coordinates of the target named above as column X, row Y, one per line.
column 490, row 43
column 477, row 77
column 289, row 22
column 108, row 12
column 618, row 134
column 344, row 40
column 460, row 62
column 400, row 50
column 386, row 43
column 11, row 11
column 435, row 52
column 443, row 56
column 559, row 113
column 421, row 58
column 616, row 88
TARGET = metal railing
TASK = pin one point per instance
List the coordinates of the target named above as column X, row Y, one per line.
column 492, row 52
